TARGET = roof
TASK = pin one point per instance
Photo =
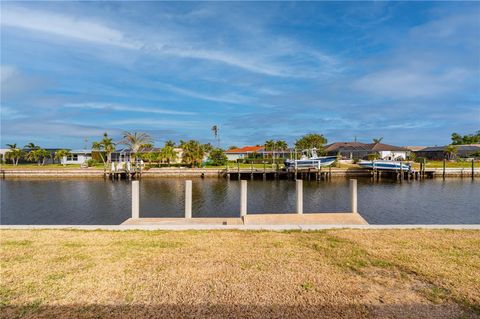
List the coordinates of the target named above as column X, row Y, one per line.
column 468, row 147
column 245, row 149
column 343, row 145
column 415, row 148
column 377, row 147
column 81, row 151
column 357, row 146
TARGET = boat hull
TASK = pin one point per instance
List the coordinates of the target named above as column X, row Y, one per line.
column 385, row 165
column 311, row 163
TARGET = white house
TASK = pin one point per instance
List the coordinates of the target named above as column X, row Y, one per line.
column 77, row 157
column 243, row 152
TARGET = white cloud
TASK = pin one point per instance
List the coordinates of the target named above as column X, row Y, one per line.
column 63, row 25
column 225, row 98
column 8, row 113
column 162, row 123
column 409, row 82
column 171, row 41
column 125, row 108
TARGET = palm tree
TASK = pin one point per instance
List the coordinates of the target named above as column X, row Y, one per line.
column 215, row 130
column 193, row 153
column 32, row 146
column 135, row 141
column 170, row 143
column 168, row 153
column 451, row 151
column 377, row 140
column 105, row 147
column 32, row 156
column 38, row 155
column 269, row 145
column 60, row 154
column 97, row 146
column 108, row 146
column 43, row 155
column 13, row 154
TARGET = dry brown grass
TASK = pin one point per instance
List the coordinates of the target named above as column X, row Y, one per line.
column 230, row 274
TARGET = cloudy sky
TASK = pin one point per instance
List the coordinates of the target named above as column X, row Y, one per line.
column 408, row 72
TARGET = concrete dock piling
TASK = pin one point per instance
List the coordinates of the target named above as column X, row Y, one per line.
column 243, row 198
column 299, row 196
column 188, row 199
column 353, row 195
column 135, row 200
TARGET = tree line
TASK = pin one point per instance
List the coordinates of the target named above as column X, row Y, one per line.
column 141, row 147
column 473, row 138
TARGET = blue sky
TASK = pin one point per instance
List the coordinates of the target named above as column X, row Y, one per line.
column 408, row 72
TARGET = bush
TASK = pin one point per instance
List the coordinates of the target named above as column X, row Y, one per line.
column 217, row 157
column 420, row 160
column 91, row 162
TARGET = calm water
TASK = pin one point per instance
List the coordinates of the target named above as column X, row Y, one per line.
column 95, row 201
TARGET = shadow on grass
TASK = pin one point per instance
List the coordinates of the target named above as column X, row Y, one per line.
column 410, row 310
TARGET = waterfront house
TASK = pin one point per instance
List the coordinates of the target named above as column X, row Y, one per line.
column 243, row 152
column 77, row 157
column 357, row 150
column 123, row 155
column 256, row 152
column 438, row 152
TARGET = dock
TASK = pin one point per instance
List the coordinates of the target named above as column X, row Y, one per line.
column 290, row 219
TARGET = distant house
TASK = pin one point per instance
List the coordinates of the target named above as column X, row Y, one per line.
column 77, row 157
column 438, row 152
column 256, row 151
column 243, row 152
column 123, row 155
column 357, row 150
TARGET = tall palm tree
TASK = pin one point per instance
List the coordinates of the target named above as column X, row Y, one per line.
column 105, row 147
column 377, row 140
column 270, row 146
column 134, row 141
column 108, row 146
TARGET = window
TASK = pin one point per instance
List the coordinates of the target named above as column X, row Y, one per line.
column 73, row 157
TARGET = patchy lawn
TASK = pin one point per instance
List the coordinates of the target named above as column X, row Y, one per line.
column 245, row 274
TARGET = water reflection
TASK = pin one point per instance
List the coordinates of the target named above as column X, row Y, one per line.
column 95, row 201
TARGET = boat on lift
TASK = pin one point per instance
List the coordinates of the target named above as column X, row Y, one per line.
column 310, row 159
column 385, row 165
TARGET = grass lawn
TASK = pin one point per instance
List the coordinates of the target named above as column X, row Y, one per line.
column 46, row 166
column 245, row 274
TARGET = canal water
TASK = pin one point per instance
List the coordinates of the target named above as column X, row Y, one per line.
column 96, row 201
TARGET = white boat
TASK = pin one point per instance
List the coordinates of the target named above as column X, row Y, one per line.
column 310, row 159
column 385, row 165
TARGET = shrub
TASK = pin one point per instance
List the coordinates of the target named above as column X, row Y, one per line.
column 217, row 157
column 91, row 162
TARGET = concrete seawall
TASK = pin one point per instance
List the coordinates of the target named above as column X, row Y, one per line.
column 207, row 172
